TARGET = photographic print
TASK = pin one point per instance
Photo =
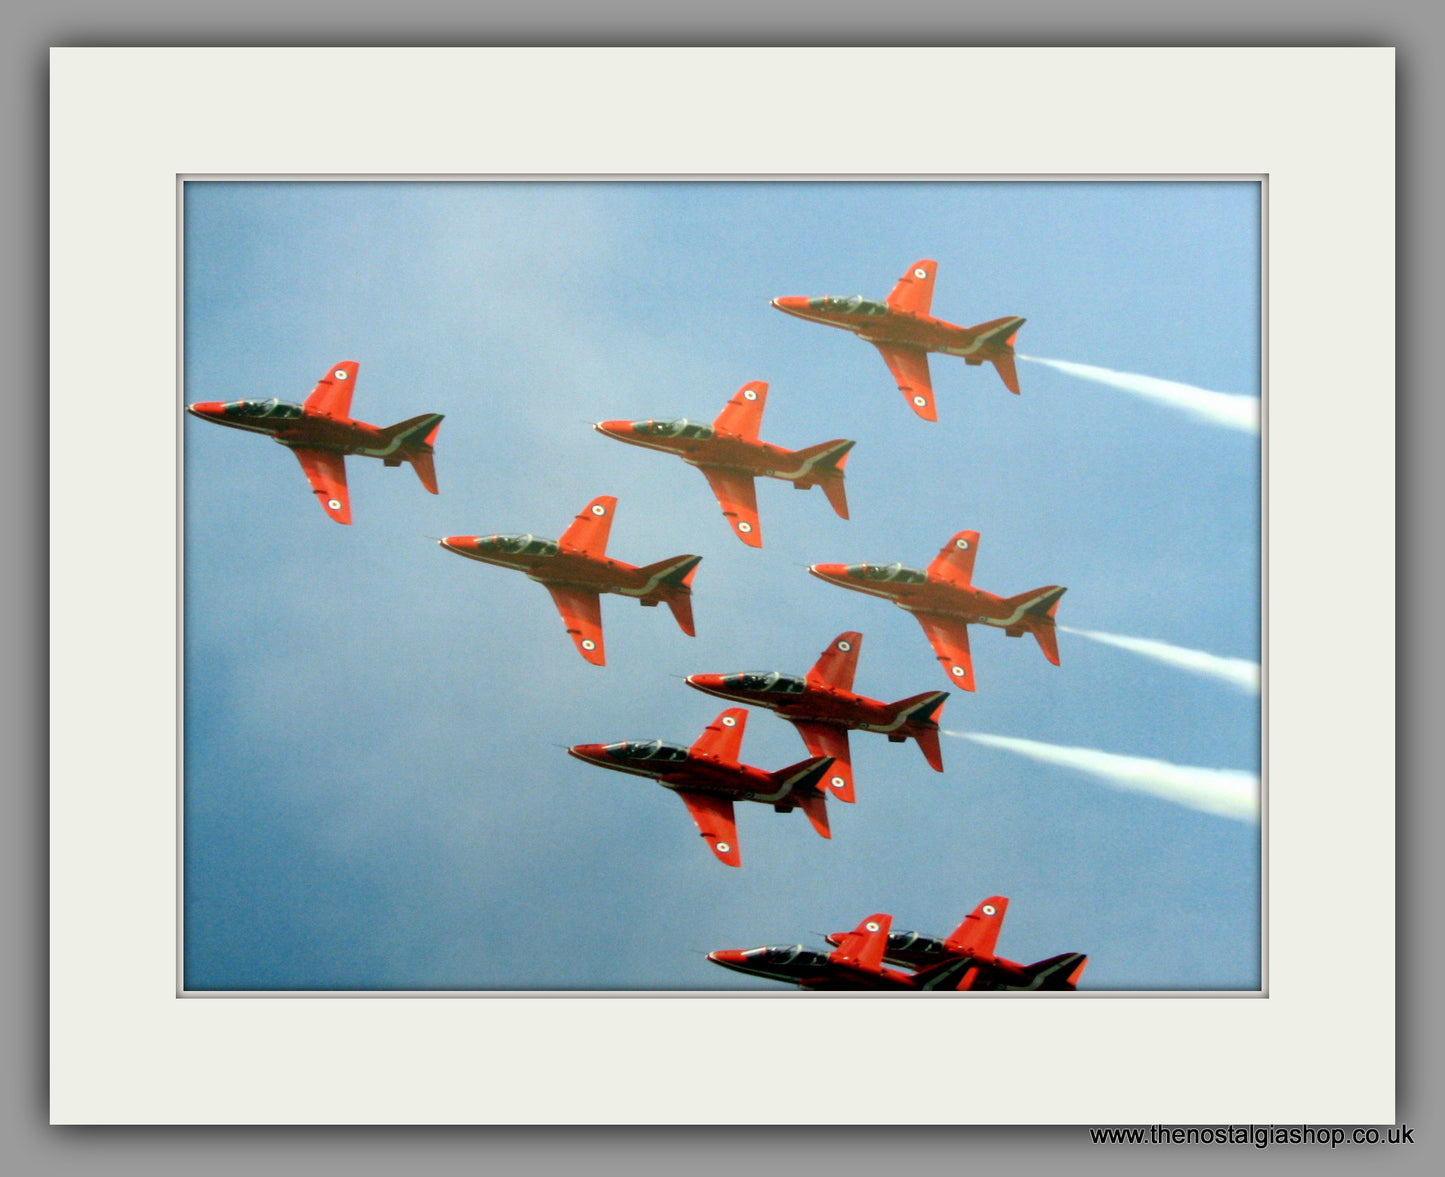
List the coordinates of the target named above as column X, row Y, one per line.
column 395, row 759
column 323, row 824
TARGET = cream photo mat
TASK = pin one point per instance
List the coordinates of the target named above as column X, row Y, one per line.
column 126, row 124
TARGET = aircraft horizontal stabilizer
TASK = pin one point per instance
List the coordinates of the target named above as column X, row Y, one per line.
column 1008, row 371
column 425, row 466
column 681, row 606
column 815, row 805
column 928, row 744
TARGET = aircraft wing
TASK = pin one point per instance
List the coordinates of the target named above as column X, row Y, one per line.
column 588, row 532
column 326, row 471
column 954, row 562
column 909, row 366
column 743, row 415
column 949, row 639
column 828, row 739
column 914, row 291
column 738, row 497
column 715, row 822
column 723, row 737
column 837, row 663
column 863, row 946
column 978, row 934
column 582, row 614
column 332, row 395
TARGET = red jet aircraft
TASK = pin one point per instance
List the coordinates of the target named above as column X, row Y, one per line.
column 730, row 456
column 709, row 778
column 860, row 960
column 823, row 708
column 575, row 570
column 904, row 332
column 946, row 603
column 321, row 434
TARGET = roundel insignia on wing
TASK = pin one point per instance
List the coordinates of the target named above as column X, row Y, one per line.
column 750, row 394
column 340, row 373
column 334, row 504
column 837, row 782
column 845, row 646
column 957, row 671
column 598, row 509
column 744, row 526
column 588, row 644
column 921, row 401
column 723, row 848
column 730, row 721
column 920, row 273
column 961, row 545
column 871, row 925
column 989, row 909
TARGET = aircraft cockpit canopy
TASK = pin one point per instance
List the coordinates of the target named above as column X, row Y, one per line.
column 772, row 681
column 273, row 409
column 682, row 427
column 854, row 305
column 897, row 573
column 519, row 545
column 915, row 943
column 655, row 750
column 785, row 954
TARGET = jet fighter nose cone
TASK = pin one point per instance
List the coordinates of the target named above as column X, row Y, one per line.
column 455, row 542
column 727, row 956
column 704, row 681
column 790, row 303
column 613, row 427
column 206, row 408
column 828, row 571
column 586, row 751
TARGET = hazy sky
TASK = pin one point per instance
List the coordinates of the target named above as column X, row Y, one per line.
column 376, row 792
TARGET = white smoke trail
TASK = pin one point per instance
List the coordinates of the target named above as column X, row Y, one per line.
column 1239, row 672
column 1219, row 408
column 1222, row 792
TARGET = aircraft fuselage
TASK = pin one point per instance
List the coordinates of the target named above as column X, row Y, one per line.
column 552, row 564
column 797, row 965
column 675, row 767
column 878, row 323
column 340, row 435
column 760, row 459
column 816, row 702
column 972, row 606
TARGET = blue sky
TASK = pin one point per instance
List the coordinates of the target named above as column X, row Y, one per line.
column 376, row 792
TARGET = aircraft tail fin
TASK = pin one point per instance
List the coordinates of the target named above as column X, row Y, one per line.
column 1058, row 972
column 411, row 441
column 822, row 465
column 674, row 585
column 1036, row 615
column 922, row 711
column 798, row 778
column 954, row 974
column 999, row 335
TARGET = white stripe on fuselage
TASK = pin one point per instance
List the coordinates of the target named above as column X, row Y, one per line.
column 1017, row 615
column 654, row 580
